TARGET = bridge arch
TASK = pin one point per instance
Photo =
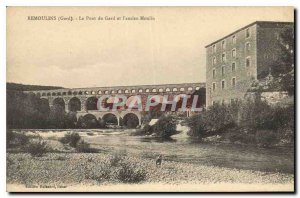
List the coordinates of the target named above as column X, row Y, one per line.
column 74, row 104
column 89, row 121
column 91, row 103
column 110, row 119
column 59, row 102
column 45, row 105
column 131, row 120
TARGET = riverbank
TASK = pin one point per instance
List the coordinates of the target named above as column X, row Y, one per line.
column 73, row 169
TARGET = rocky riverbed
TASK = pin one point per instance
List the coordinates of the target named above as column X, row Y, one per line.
column 71, row 169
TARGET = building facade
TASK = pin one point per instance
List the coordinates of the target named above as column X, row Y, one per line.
column 236, row 60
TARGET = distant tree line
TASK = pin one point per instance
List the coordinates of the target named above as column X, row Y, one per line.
column 21, row 87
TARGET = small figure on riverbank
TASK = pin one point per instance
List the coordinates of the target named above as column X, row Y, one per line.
column 158, row 161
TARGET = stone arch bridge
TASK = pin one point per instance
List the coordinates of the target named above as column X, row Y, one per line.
column 83, row 100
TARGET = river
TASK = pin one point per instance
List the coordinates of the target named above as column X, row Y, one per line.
column 182, row 148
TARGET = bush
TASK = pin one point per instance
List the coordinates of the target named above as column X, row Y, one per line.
column 197, row 126
column 16, row 139
column 129, row 172
column 118, row 168
column 37, row 148
column 71, row 138
column 165, row 127
column 216, row 120
column 84, row 147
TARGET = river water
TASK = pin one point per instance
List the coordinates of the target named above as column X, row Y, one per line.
column 182, row 148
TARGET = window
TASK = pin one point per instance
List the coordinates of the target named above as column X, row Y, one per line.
column 214, row 61
column 233, row 39
column 233, row 53
column 223, row 84
column 233, row 82
column 248, row 62
column 248, row 47
column 223, row 57
column 223, row 44
column 233, row 67
column 214, row 86
column 247, row 33
column 223, row 70
column 214, row 48
column 214, row 73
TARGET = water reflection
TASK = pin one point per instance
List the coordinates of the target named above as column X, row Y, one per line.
column 157, row 139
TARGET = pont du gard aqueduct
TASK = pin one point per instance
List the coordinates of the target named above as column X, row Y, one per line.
column 84, row 101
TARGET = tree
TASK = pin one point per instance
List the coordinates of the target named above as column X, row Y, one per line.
column 283, row 69
column 165, row 127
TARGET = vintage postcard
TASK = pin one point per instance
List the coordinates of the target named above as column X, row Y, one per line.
column 150, row 99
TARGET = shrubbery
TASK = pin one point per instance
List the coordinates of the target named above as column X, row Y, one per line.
column 119, row 169
column 71, row 138
column 14, row 139
column 37, row 148
column 84, row 147
column 250, row 122
column 165, row 127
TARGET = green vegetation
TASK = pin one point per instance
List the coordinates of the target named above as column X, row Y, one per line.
column 164, row 128
column 21, row 87
column 120, row 169
column 71, row 138
column 37, row 148
column 249, row 122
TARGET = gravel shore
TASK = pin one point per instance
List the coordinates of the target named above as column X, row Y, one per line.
column 71, row 169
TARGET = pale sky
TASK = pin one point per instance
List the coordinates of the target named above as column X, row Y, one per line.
column 169, row 49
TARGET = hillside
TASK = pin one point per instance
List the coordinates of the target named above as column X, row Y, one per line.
column 21, row 87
